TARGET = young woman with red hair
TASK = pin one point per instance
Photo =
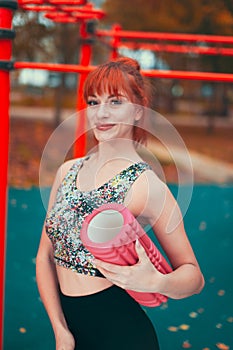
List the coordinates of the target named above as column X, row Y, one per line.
column 85, row 298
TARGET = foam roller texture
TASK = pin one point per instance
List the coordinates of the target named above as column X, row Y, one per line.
column 110, row 233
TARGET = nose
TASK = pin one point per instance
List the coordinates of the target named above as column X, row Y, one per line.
column 102, row 110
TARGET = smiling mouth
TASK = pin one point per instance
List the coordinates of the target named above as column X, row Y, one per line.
column 104, row 127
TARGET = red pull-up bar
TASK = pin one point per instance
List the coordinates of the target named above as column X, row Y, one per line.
column 181, row 48
column 63, row 11
column 172, row 74
column 200, row 38
column 53, row 2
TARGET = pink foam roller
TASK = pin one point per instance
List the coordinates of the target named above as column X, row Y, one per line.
column 110, row 232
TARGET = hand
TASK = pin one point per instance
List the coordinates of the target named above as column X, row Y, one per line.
column 65, row 340
column 138, row 277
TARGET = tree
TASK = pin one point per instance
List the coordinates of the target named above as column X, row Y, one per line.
column 41, row 40
column 189, row 16
column 179, row 16
column 32, row 40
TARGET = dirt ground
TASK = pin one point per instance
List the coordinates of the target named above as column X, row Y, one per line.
column 28, row 139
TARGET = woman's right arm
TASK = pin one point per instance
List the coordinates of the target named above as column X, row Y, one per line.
column 47, row 282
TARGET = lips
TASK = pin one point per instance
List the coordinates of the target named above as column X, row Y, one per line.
column 104, row 127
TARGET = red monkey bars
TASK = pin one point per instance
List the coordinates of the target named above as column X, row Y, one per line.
column 66, row 11
column 172, row 74
column 74, row 11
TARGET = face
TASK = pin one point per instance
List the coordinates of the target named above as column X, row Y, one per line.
column 111, row 117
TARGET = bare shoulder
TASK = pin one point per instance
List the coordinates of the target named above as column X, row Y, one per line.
column 64, row 168
column 60, row 175
column 150, row 184
column 147, row 192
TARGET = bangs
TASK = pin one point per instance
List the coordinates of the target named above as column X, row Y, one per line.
column 107, row 80
column 115, row 79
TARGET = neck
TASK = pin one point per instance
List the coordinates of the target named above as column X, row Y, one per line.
column 116, row 149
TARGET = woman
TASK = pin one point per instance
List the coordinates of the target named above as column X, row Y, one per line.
column 85, row 298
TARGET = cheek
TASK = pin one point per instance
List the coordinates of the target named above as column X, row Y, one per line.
column 90, row 118
column 126, row 115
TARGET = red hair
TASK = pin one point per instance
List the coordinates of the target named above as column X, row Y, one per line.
column 115, row 77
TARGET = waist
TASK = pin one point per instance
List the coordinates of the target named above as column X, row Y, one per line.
column 76, row 284
column 85, row 268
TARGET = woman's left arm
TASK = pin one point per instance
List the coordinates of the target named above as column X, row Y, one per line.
column 159, row 207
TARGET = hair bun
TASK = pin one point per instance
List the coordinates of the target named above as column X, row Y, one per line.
column 128, row 61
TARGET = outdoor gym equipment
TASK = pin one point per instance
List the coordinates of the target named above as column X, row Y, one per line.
column 80, row 11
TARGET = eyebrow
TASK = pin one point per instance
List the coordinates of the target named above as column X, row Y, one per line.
column 110, row 96
column 118, row 95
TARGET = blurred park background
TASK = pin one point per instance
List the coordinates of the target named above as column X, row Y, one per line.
column 202, row 113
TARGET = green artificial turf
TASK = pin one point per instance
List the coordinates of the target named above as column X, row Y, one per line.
column 203, row 321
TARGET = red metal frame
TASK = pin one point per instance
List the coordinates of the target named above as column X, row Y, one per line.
column 115, row 42
column 6, row 16
column 200, row 38
column 182, row 49
column 81, row 11
column 64, row 11
column 58, row 67
column 85, row 58
column 172, row 74
column 167, row 42
column 22, row 3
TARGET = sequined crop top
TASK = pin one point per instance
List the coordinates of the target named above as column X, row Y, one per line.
column 64, row 220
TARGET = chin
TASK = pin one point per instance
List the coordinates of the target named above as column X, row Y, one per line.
column 104, row 136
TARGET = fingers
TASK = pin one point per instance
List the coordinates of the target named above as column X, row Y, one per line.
column 117, row 268
column 107, row 266
column 120, row 279
column 134, row 277
column 140, row 252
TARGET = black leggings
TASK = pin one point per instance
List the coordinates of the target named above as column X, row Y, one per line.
column 108, row 320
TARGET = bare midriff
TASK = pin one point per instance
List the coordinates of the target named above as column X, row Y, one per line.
column 77, row 284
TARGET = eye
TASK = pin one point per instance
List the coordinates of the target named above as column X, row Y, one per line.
column 115, row 102
column 92, row 103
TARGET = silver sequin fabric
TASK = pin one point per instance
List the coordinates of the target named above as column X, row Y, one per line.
column 64, row 221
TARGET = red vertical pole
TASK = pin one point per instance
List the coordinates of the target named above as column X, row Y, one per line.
column 6, row 34
column 115, row 42
column 85, row 58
